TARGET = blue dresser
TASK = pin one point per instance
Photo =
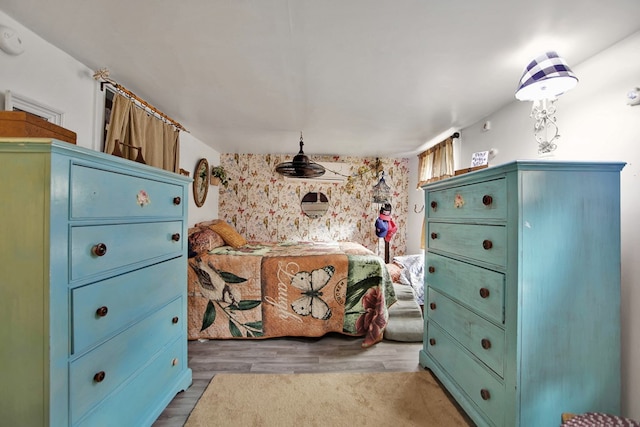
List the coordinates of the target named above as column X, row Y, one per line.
column 522, row 290
column 93, row 268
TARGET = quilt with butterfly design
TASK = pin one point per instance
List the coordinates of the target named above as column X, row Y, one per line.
column 268, row 289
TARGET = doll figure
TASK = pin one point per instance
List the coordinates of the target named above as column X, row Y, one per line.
column 385, row 226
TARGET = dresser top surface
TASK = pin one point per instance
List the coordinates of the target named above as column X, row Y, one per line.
column 49, row 145
column 528, row 165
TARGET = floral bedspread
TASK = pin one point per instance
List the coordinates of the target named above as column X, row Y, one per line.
column 267, row 289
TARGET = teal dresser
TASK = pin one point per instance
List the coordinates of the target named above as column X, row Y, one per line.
column 93, row 268
column 522, row 290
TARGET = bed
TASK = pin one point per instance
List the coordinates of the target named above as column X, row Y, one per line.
column 257, row 290
column 412, row 274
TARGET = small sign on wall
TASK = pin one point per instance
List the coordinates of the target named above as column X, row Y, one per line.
column 480, row 158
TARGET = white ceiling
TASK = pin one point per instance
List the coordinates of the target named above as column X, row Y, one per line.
column 358, row 77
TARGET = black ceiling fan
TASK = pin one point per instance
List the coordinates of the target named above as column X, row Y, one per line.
column 300, row 166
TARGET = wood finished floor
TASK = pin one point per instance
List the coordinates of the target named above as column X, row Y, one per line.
column 331, row 353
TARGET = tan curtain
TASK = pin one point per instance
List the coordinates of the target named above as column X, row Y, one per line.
column 159, row 142
column 435, row 164
column 118, row 122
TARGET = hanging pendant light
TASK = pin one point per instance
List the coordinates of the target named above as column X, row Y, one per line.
column 300, row 166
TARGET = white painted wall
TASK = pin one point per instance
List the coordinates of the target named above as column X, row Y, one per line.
column 595, row 124
column 48, row 75
column 191, row 151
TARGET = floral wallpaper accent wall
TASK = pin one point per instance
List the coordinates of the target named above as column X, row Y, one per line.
column 264, row 206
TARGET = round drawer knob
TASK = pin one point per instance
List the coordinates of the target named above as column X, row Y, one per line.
column 434, row 205
column 487, row 200
column 99, row 250
column 175, row 237
column 102, row 311
column 432, row 341
column 487, row 244
column 432, row 306
column 486, row 344
column 177, row 200
column 432, row 269
column 174, row 320
column 484, row 393
column 99, row 377
column 484, row 292
column 174, row 362
column 434, row 236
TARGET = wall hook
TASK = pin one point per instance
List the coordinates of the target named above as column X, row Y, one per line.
column 415, row 209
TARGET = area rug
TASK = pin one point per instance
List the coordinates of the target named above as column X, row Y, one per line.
column 325, row 399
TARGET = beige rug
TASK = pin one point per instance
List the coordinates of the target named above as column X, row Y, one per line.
column 325, row 399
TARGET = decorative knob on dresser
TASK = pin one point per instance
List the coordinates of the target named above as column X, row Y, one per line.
column 487, row 200
column 432, row 306
column 434, row 205
column 484, row 393
column 432, row 269
column 175, row 237
column 432, row 341
column 487, row 244
column 99, row 376
column 177, row 200
column 434, row 236
column 486, row 344
column 100, row 249
column 102, row 311
column 484, row 293
column 174, row 320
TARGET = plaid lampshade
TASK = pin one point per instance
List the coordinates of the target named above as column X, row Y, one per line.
column 546, row 77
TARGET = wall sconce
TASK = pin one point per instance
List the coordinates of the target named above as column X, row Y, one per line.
column 543, row 80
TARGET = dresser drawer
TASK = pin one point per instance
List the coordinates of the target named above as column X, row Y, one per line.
column 99, row 193
column 483, row 200
column 99, row 309
column 126, row 246
column 484, row 390
column 480, row 289
column 481, row 337
column 487, row 243
column 160, row 374
column 120, row 357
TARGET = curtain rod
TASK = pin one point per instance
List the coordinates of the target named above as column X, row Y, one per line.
column 103, row 74
column 439, row 144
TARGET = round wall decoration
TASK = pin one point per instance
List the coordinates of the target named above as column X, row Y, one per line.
column 201, row 182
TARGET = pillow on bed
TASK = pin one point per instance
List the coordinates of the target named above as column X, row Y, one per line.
column 395, row 271
column 207, row 223
column 203, row 239
column 228, row 234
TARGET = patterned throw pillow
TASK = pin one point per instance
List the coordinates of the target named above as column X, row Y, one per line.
column 203, row 239
column 395, row 271
column 207, row 223
column 229, row 234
